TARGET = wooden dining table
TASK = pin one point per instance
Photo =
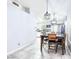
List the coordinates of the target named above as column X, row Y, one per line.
column 59, row 37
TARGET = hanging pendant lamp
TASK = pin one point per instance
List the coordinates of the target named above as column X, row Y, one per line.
column 47, row 14
column 54, row 21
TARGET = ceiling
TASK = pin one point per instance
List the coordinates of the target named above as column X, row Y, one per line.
column 38, row 7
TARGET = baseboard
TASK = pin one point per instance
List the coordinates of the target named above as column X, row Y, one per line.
column 20, row 48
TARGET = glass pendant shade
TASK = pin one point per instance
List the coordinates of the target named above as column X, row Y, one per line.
column 47, row 15
column 53, row 21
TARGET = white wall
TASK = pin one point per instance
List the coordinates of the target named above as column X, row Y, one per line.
column 69, row 35
column 21, row 28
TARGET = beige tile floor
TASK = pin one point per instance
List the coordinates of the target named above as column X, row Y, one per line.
column 33, row 52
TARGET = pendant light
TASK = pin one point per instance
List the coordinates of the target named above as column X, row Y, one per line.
column 47, row 14
column 54, row 21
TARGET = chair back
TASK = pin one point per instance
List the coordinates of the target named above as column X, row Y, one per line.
column 52, row 37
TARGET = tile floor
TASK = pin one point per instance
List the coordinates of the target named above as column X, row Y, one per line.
column 33, row 52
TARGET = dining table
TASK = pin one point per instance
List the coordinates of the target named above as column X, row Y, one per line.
column 59, row 37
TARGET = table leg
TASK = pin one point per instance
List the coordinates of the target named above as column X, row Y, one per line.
column 63, row 47
column 41, row 42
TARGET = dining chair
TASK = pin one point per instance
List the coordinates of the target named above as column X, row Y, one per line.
column 52, row 39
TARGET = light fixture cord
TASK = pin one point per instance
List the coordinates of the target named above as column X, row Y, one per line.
column 47, row 5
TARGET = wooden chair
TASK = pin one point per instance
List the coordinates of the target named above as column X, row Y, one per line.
column 52, row 39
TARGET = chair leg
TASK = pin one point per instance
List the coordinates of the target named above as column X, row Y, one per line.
column 56, row 47
column 63, row 48
column 48, row 46
column 62, row 51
